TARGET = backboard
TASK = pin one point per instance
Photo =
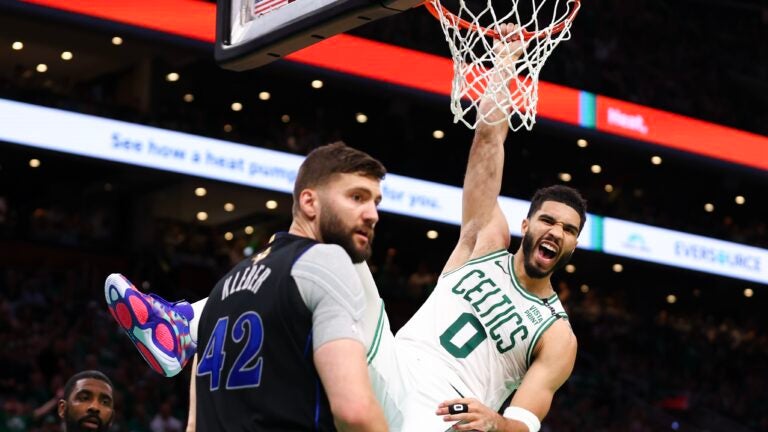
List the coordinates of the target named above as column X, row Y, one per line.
column 252, row 33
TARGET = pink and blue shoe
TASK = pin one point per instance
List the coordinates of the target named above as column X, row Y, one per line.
column 158, row 328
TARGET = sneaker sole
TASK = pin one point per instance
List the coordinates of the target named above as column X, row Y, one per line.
column 149, row 330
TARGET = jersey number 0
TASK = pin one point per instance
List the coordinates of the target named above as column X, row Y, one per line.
column 478, row 335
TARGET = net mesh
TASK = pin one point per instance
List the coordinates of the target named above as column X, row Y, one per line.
column 472, row 30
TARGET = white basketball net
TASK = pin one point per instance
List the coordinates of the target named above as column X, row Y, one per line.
column 478, row 69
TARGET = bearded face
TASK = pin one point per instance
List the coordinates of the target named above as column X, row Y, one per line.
column 88, row 407
column 549, row 239
column 356, row 240
column 89, row 422
column 532, row 269
column 343, row 211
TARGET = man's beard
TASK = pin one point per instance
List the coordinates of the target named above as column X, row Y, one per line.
column 76, row 425
column 530, row 269
column 333, row 232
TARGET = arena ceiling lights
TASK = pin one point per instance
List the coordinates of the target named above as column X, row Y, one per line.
column 427, row 72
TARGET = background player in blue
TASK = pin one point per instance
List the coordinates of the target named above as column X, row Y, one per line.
column 280, row 342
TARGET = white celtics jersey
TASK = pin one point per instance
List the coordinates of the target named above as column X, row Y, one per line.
column 482, row 326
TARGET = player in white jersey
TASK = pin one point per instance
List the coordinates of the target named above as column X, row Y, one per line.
column 493, row 325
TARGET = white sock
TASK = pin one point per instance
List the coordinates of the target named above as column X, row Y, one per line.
column 198, row 308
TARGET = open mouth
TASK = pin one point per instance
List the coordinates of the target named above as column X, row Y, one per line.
column 547, row 250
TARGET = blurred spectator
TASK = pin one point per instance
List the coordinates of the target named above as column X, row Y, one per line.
column 421, row 283
column 164, row 421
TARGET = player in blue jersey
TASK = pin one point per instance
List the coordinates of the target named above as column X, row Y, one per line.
column 280, row 339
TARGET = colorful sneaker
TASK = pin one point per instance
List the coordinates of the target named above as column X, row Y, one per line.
column 158, row 328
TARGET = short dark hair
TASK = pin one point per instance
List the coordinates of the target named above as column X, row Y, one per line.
column 94, row 374
column 336, row 158
column 562, row 194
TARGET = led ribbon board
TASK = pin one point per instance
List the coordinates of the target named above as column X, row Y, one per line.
column 188, row 154
column 663, row 246
column 193, row 155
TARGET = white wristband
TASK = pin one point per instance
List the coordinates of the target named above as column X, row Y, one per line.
column 523, row 416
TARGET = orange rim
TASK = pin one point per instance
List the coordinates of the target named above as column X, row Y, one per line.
column 433, row 6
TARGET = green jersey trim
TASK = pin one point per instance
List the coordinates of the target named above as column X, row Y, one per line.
column 519, row 287
column 374, row 349
column 540, row 331
column 477, row 260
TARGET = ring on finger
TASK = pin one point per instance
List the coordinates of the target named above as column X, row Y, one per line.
column 459, row 408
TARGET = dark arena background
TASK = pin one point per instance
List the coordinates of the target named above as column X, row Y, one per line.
column 661, row 122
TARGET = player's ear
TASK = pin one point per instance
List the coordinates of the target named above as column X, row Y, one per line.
column 524, row 226
column 308, row 203
column 62, row 408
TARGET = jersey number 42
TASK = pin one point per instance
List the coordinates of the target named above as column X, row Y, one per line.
column 246, row 371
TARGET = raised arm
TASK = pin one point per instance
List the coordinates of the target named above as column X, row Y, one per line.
column 484, row 228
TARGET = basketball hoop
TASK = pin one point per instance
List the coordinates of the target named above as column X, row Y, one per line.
column 471, row 34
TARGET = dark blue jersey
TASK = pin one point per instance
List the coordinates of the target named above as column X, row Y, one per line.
column 256, row 370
